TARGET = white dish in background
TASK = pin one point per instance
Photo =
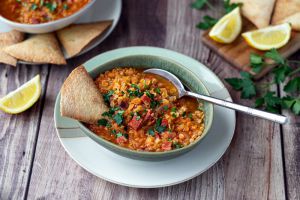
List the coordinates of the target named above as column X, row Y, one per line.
column 49, row 26
column 150, row 174
column 100, row 11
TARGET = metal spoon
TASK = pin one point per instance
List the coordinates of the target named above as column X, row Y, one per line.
column 182, row 92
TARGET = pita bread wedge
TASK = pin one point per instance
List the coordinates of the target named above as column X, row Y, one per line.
column 77, row 36
column 7, row 39
column 284, row 9
column 80, row 98
column 294, row 20
column 43, row 48
column 257, row 11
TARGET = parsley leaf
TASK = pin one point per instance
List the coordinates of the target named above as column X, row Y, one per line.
column 207, row 22
column 51, row 6
column 158, row 127
column 102, row 122
column 107, row 96
column 230, row 6
column 293, row 85
column 151, row 132
column 110, row 112
column 280, row 73
column 274, row 55
column 256, row 62
column 33, row 6
column 151, row 96
column 245, row 85
column 198, row 4
column 157, row 90
column 270, row 102
column 119, row 117
column 292, row 103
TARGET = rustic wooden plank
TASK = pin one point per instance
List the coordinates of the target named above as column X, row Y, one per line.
column 291, row 147
column 55, row 175
column 251, row 168
column 18, row 132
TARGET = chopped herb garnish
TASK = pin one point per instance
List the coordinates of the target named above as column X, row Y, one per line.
column 119, row 134
column 151, row 96
column 107, row 96
column 126, row 135
column 190, row 115
column 151, row 132
column 165, row 107
column 119, row 117
column 158, row 127
column 177, row 145
column 173, row 109
column 102, row 122
column 174, row 115
column 65, row 7
column 183, row 114
column 154, row 104
column 110, row 112
column 41, row 3
column 34, row 6
column 51, row 6
column 135, row 86
column 138, row 118
column 131, row 114
column 114, row 131
column 157, row 90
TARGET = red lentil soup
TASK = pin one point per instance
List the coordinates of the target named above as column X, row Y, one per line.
column 39, row 11
column 145, row 113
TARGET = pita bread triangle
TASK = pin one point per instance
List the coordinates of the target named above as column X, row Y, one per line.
column 287, row 11
column 42, row 48
column 77, row 36
column 284, row 9
column 257, row 11
column 7, row 39
column 80, row 98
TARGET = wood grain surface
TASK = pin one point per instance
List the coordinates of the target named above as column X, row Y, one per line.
column 263, row 160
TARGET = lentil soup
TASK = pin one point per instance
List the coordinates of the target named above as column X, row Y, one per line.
column 39, row 11
column 145, row 113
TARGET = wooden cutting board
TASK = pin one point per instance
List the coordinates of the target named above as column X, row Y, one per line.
column 238, row 52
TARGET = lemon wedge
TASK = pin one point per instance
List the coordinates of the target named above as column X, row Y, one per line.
column 22, row 98
column 228, row 28
column 270, row 37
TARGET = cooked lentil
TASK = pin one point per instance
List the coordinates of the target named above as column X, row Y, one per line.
column 145, row 113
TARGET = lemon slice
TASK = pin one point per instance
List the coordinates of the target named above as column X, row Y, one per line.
column 22, row 98
column 270, row 37
column 228, row 28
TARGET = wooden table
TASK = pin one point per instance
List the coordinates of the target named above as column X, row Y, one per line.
column 263, row 161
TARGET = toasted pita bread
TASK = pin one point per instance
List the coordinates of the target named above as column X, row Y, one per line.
column 80, row 98
column 294, row 20
column 6, row 39
column 43, row 48
column 77, row 36
column 284, row 9
column 257, row 11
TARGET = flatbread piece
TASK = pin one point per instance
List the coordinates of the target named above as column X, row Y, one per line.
column 287, row 11
column 42, row 48
column 77, row 36
column 80, row 98
column 257, row 11
column 7, row 39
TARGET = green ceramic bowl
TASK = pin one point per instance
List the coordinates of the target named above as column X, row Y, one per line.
column 188, row 78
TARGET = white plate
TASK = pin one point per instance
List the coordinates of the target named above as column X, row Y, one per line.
column 146, row 174
column 101, row 10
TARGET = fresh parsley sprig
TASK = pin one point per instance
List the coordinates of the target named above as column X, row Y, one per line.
column 208, row 21
column 268, row 100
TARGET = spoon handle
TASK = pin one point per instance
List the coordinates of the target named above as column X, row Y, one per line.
column 251, row 111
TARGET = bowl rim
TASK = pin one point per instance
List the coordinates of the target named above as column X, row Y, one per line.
column 146, row 153
column 50, row 23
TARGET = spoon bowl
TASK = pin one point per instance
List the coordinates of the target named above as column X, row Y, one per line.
column 183, row 92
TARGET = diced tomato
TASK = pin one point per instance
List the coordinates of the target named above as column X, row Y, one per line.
column 164, row 122
column 135, row 123
column 145, row 99
column 148, row 115
column 166, row 145
column 121, row 139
